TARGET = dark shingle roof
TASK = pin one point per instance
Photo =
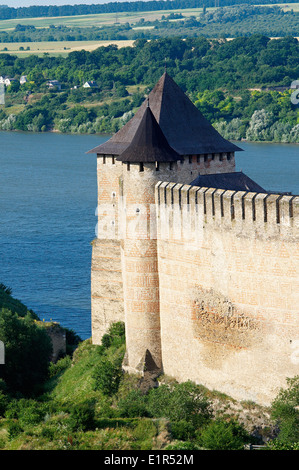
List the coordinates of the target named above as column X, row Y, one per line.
column 185, row 128
column 237, row 181
column 149, row 143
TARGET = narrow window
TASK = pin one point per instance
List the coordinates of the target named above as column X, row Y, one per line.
column 128, row 166
column 171, row 165
column 141, row 167
column 157, row 166
column 104, row 159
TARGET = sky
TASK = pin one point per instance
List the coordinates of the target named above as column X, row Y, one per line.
column 27, row 3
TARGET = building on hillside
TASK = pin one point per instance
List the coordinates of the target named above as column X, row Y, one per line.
column 90, row 84
column 53, row 84
column 198, row 260
column 23, row 79
column 7, row 81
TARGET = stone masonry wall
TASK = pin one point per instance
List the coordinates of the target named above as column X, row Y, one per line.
column 107, row 297
column 106, row 277
column 229, row 288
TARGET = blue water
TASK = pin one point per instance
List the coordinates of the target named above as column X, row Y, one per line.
column 48, row 198
column 47, row 207
column 275, row 167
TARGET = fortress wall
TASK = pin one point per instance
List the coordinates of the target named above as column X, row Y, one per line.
column 229, row 288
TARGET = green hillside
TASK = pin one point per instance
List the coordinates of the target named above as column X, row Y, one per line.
column 7, row 301
column 89, row 403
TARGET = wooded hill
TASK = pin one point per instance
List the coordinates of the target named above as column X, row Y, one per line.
column 230, row 21
column 242, row 85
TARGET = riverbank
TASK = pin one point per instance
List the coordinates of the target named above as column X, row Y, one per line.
column 107, row 136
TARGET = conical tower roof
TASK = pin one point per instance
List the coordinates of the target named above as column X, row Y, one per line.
column 149, row 143
column 187, row 131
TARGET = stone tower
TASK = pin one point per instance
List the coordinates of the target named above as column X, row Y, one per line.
column 168, row 139
column 148, row 158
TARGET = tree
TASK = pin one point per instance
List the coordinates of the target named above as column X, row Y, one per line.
column 222, row 435
column 28, row 350
column 285, row 412
column 179, row 402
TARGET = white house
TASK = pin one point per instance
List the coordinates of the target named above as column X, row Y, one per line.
column 7, row 81
column 91, row 84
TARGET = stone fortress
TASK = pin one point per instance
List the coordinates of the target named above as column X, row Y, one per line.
column 198, row 260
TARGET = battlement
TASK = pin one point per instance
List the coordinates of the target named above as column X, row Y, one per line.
column 184, row 210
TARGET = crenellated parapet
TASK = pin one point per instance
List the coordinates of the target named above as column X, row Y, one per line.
column 247, row 213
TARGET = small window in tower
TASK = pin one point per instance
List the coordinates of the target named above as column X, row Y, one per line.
column 141, row 167
column 113, row 159
column 104, row 159
column 198, row 159
column 220, row 157
column 128, row 166
column 157, row 166
column 190, row 158
column 229, row 155
column 205, row 158
column 171, row 165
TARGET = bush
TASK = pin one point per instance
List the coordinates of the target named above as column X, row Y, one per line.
column 82, row 417
column 133, row 405
column 223, row 435
column 182, row 430
column 106, row 376
column 143, row 434
column 115, row 336
column 26, row 411
column 285, row 412
column 33, row 413
column 3, row 403
column 14, row 429
column 60, row 366
column 184, row 401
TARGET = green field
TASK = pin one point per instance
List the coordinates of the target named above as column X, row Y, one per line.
column 55, row 47
column 103, row 19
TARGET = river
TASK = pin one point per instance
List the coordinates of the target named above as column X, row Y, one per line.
column 48, row 198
